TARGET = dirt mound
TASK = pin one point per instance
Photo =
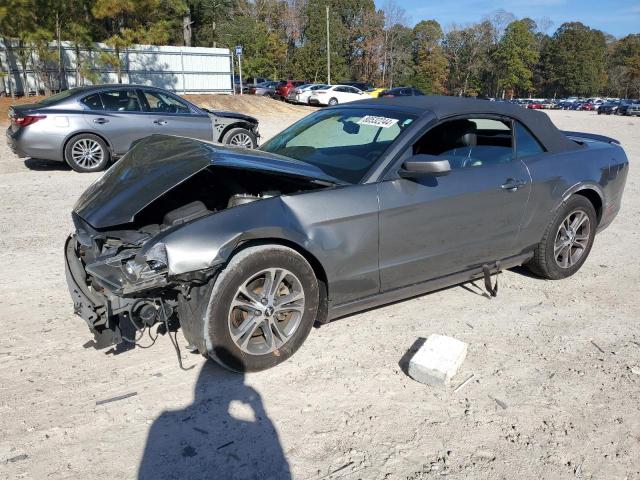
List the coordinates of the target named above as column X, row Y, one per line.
column 247, row 104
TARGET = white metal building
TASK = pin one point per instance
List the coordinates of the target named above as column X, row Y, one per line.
column 181, row 69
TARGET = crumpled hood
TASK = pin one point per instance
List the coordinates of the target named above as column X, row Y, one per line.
column 159, row 163
column 239, row 116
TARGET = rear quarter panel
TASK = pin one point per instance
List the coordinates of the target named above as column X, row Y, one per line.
column 45, row 139
column 601, row 167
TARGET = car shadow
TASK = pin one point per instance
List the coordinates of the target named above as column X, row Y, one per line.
column 42, row 165
column 225, row 433
column 525, row 272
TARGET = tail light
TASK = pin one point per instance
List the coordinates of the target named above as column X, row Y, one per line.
column 27, row 120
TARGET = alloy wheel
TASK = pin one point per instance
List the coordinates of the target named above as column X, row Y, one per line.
column 266, row 311
column 241, row 140
column 572, row 239
column 87, row 153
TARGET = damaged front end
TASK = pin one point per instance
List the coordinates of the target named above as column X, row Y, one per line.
column 119, row 284
column 152, row 233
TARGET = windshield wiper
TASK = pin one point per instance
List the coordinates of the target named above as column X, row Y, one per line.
column 326, row 183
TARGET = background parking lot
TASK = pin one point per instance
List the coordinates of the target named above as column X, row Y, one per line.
column 556, row 365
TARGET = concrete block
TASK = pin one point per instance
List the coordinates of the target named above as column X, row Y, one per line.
column 438, row 360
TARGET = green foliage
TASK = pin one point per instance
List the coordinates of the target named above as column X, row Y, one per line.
column 264, row 52
column 468, row 51
column 575, row 60
column 516, row 56
column 431, row 64
column 625, row 59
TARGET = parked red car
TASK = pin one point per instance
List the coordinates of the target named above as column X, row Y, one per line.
column 536, row 105
column 588, row 106
column 285, row 86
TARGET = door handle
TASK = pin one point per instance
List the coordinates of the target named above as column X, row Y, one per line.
column 511, row 185
column 160, row 122
column 100, row 120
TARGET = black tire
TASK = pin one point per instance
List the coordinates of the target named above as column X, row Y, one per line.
column 86, row 165
column 544, row 261
column 333, row 101
column 245, row 265
column 240, row 137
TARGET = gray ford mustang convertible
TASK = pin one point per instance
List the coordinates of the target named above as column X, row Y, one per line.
column 349, row 208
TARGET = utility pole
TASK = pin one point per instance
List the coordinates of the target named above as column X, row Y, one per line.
column 328, row 51
column 239, row 55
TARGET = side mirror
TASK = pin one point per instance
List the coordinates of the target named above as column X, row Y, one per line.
column 425, row 165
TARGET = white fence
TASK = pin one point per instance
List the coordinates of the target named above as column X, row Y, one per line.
column 181, row 69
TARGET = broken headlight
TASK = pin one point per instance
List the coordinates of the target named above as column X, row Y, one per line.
column 151, row 263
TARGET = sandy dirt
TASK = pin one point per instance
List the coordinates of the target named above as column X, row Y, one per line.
column 555, row 392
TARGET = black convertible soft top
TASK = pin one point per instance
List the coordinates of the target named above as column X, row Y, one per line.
column 443, row 107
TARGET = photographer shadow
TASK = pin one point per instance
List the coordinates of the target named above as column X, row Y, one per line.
column 224, row 434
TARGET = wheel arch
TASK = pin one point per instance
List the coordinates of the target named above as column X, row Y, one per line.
column 231, row 126
column 592, row 193
column 316, row 265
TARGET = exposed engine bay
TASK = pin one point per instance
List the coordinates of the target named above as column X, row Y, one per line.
column 120, row 278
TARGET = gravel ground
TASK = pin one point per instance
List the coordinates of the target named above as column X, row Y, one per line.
column 555, row 392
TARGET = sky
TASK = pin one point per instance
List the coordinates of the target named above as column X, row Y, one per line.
column 617, row 17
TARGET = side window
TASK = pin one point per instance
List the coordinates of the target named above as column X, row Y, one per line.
column 526, row 143
column 160, row 102
column 120, row 100
column 93, row 102
column 469, row 142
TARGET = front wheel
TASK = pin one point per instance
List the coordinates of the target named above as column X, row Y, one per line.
column 261, row 308
column 241, row 137
column 333, row 101
column 567, row 241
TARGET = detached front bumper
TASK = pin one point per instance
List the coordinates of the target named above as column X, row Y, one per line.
column 91, row 306
column 111, row 316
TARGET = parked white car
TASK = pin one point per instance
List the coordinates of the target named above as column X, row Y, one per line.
column 302, row 93
column 336, row 94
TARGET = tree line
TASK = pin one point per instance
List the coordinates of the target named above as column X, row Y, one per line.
column 498, row 56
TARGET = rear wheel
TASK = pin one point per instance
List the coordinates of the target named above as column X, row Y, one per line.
column 333, row 101
column 261, row 308
column 567, row 241
column 241, row 137
column 87, row 153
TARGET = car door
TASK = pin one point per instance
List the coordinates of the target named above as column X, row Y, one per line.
column 168, row 114
column 437, row 225
column 116, row 115
column 351, row 94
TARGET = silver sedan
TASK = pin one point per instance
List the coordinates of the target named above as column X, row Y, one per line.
column 87, row 127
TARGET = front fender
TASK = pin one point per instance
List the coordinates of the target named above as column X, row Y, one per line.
column 336, row 226
column 210, row 240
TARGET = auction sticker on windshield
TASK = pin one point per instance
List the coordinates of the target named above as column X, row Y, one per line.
column 375, row 121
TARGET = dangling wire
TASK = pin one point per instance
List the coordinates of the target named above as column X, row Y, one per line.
column 141, row 330
column 174, row 340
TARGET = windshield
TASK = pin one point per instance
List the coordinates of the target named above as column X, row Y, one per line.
column 343, row 143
